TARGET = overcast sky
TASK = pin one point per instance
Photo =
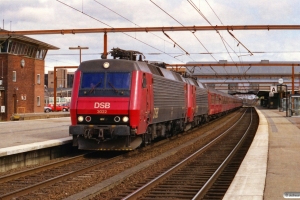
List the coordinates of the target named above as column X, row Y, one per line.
column 277, row 45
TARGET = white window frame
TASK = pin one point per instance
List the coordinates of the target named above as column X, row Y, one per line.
column 38, row 101
column 14, row 78
column 23, row 97
column 38, row 79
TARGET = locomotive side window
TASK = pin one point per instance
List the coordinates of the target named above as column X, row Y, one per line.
column 144, row 84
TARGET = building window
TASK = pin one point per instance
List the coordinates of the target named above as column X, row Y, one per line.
column 38, row 101
column 38, row 79
column 23, row 97
column 14, row 76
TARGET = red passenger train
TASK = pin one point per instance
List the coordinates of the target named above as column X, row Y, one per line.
column 120, row 104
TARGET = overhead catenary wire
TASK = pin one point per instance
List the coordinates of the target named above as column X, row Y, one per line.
column 183, row 26
column 222, row 38
column 155, row 53
column 231, row 34
column 113, row 27
column 176, row 21
column 179, row 23
column 214, row 11
column 177, row 56
column 59, row 60
column 203, row 16
column 175, row 43
column 128, row 19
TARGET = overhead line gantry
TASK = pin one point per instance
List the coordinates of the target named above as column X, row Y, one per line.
column 171, row 28
column 153, row 29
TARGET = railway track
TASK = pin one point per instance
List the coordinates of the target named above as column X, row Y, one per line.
column 25, row 182
column 220, row 186
column 193, row 177
column 62, row 179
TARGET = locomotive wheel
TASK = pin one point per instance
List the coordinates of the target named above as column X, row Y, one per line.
column 147, row 137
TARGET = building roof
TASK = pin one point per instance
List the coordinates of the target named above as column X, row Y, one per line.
column 277, row 69
column 41, row 44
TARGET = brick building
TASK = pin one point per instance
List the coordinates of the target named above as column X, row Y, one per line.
column 22, row 63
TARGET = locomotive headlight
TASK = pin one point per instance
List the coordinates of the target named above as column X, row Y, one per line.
column 125, row 119
column 80, row 118
column 106, row 65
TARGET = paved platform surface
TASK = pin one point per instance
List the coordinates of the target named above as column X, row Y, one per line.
column 272, row 165
column 15, row 133
column 283, row 170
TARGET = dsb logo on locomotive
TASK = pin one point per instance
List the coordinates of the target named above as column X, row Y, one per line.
column 102, row 105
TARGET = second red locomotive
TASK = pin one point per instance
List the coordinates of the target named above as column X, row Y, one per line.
column 120, row 104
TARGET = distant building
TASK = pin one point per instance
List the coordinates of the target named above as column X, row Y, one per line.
column 64, row 78
column 63, row 86
column 70, row 79
column 22, row 63
column 61, row 76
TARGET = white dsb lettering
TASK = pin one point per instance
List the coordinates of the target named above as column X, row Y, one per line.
column 101, row 105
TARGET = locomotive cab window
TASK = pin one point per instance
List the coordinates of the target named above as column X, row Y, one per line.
column 92, row 80
column 105, row 84
column 118, row 80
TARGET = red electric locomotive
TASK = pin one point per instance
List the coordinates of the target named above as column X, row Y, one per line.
column 119, row 104
column 114, row 102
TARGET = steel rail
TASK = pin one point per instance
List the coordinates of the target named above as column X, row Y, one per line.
column 17, row 175
column 139, row 192
column 152, row 29
column 201, row 193
column 51, row 181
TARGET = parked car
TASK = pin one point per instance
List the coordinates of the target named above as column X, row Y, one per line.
column 58, row 107
column 65, row 107
column 47, row 109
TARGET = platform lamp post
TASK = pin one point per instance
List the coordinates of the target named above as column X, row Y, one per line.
column 80, row 48
column 279, row 88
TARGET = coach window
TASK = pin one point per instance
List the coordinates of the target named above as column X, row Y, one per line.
column 14, row 78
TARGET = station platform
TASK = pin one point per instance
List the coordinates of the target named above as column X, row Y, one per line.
column 271, row 167
column 32, row 116
column 34, row 131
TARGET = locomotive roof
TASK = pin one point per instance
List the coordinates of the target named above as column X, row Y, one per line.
column 121, row 65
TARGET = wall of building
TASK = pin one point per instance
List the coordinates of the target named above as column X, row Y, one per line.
column 20, row 86
column 3, row 87
column 39, row 86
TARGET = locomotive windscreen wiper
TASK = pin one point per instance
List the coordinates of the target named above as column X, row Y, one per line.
column 94, row 86
column 111, row 85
